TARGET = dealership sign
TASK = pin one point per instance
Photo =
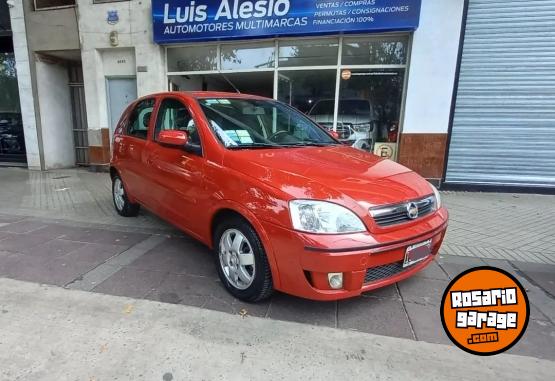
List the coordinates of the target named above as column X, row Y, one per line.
column 193, row 20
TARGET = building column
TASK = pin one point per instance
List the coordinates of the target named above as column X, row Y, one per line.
column 26, row 96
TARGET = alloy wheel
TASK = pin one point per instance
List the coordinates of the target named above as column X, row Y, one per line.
column 237, row 259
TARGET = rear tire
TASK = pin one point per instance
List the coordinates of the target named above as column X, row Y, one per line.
column 122, row 204
column 241, row 261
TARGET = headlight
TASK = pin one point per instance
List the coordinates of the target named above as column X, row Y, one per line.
column 437, row 196
column 323, row 217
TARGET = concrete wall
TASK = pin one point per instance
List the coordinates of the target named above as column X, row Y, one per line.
column 54, row 29
column 431, row 79
column 56, row 119
column 433, row 63
column 100, row 59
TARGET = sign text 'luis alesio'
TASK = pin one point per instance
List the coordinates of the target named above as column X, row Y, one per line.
column 201, row 20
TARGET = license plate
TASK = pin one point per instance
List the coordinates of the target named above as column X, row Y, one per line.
column 417, row 252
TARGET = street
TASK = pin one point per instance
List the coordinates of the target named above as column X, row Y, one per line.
column 58, row 228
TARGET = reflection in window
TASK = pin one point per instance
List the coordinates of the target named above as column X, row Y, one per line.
column 308, row 52
column 248, row 56
column 195, row 58
column 12, row 140
column 375, row 51
column 303, row 88
column 370, row 107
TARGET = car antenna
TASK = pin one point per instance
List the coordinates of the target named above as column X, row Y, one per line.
column 231, row 83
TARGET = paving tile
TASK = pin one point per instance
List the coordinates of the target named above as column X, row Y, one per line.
column 56, row 231
column 187, row 289
column 42, row 270
column 236, row 307
column 432, row 271
column 285, row 307
column 454, row 265
column 423, row 291
column 112, row 237
column 131, row 283
column 220, row 304
column 25, row 226
column 374, row 315
column 383, row 292
column 538, row 341
column 426, row 323
column 5, row 218
column 542, row 275
column 53, row 249
column 19, row 242
column 4, row 235
column 178, row 256
column 259, row 309
column 94, row 252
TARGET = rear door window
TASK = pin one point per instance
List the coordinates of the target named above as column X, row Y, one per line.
column 139, row 120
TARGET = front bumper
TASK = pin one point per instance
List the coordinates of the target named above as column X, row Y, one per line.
column 304, row 260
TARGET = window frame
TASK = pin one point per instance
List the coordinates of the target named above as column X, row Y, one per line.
column 132, row 110
column 193, row 148
column 39, row 9
column 107, row 1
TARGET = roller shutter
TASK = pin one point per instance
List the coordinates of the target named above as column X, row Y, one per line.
column 504, row 124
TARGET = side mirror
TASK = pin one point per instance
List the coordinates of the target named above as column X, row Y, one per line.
column 173, row 138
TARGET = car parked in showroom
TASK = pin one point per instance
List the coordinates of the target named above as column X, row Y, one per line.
column 356, row 121
column 282, row 203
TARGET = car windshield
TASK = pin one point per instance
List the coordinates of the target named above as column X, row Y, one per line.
column 253, row 123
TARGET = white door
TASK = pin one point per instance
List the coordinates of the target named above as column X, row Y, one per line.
column 121, row 92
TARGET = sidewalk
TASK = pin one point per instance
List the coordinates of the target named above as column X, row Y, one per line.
column 76, row 241
column 483, row 225
column 48, row 333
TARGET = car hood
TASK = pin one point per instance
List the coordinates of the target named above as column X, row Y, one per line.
column 338, row 173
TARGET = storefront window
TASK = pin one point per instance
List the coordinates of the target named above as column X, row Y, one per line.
column 248, row 56
column 375, row 51
column 366, row 111
column 195, row 58
column 12, row 141
column 302, row 89
column 370, row 107
column 308, row 52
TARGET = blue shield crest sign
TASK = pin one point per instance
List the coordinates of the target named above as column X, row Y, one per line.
column 112, row 17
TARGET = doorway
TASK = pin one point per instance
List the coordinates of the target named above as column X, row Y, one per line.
column 121, row 92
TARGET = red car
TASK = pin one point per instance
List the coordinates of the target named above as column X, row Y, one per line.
column 283, row 204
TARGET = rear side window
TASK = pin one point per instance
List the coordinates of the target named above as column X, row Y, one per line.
column 139, row 119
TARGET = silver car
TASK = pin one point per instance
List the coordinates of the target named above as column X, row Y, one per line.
column 356, row 121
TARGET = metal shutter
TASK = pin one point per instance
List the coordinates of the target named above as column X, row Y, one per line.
column 504, row 123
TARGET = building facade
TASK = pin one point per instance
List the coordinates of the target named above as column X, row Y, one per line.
column 400, row 78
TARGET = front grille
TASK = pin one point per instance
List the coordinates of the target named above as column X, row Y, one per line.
column 384, row 271
column 396, row 214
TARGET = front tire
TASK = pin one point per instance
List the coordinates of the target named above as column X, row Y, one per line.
column 241, row 261
column 122, row 204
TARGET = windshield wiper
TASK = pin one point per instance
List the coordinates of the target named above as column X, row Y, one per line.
column 254, row 146
column 310, row 144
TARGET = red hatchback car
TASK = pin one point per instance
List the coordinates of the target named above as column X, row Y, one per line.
column 283, row 204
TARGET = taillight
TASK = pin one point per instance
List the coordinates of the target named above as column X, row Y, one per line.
column 334, row 134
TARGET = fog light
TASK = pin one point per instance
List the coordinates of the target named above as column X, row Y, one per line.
column 335, row 280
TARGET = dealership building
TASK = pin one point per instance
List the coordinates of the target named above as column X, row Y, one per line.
column 463, row 92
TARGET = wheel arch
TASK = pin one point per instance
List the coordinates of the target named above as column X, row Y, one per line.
column 228, row 211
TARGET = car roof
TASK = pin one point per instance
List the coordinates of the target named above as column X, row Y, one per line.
column 206, row 95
